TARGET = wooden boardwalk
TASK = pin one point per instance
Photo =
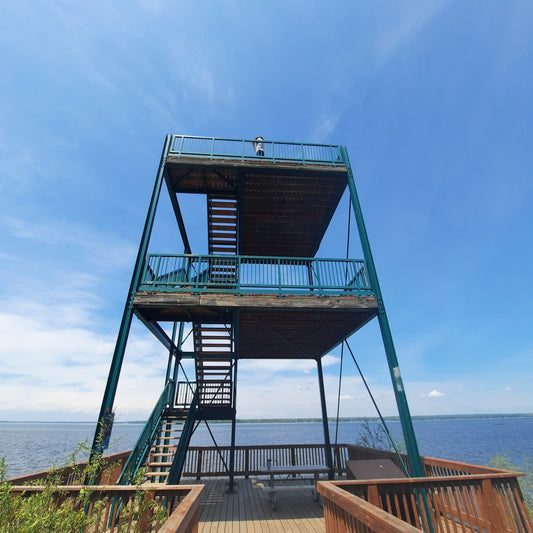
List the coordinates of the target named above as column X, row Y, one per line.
column 249, row 510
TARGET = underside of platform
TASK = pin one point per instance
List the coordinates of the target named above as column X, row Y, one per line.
column 285, row 208
column 270, row 326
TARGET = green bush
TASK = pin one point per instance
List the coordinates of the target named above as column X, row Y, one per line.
column 526, row 482
column 49, row 509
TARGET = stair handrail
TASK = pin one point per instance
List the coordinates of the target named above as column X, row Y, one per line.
column 141, row 448
column 176, row 468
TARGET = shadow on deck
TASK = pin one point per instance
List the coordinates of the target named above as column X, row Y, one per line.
column 249, row 509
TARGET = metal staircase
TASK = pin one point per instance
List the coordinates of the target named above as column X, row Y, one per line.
column 222, row 238
column 213, row 347
column 166, row 443
column 222, row 224
column 163, row 445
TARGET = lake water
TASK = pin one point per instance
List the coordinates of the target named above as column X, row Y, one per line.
column 29, row 447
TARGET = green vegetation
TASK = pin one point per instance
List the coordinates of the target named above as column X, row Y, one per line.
column 51, row 510
column 526, row 483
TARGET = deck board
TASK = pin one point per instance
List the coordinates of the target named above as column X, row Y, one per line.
column 249, row 510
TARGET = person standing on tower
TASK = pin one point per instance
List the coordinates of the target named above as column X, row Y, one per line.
column 259, row 147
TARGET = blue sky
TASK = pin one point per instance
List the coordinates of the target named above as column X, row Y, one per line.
column 433, row 101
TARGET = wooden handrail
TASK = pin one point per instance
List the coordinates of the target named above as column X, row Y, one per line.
column 206, row 461
column 345, row 512
column 491, row 502
column 181, row 517
column 111, row 468
column 433, row 466
column 185, row 518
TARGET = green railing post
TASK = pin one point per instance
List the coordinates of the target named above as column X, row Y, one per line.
column 320, row 288
column 279, row 275
column 264, row 272
column 327, row 442
column 392, row 360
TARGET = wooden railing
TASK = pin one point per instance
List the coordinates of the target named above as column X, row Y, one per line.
column 347, row 513
column 74, row 474
column 489, row 502
column 128, row 508
column 208, row 461
column 211, row 462
column 433, row 467
column 251, row 460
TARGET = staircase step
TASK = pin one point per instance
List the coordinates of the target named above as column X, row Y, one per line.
column 156, row 474
column 224, row 220
column 224, row 205
column 222, row 227
column 223, row 235
column 160, row 454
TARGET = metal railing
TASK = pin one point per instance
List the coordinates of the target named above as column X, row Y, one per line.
column 254, row 275
column 139, row 452
column 217, row 148
column 184, row 394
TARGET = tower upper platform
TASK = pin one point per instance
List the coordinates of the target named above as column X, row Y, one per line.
column 267, row 213
column 286, row 197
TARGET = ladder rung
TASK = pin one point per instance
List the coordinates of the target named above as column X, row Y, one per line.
column 219, row 203
column 224, row 236
column 216, row 337
column 207, row 327
column 213, row 344
column 222, row 227
column 223, row 240
column 221, row 212
column 223, row 220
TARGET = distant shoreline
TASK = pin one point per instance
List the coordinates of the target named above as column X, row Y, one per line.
column 299, row 420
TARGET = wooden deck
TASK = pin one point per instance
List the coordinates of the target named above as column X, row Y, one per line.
column 249, row 509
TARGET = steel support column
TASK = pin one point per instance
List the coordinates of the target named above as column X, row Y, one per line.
column 327, row 442
column 235, row 334
column 392, row 360
column 125, row 324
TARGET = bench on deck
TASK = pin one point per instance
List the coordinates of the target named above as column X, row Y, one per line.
column 287, row 483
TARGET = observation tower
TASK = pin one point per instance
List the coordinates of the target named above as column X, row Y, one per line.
column 258, row 292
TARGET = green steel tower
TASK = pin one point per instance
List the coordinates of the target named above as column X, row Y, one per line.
column 260, row 291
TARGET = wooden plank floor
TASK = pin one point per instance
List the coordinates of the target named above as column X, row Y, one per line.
column 249, row 509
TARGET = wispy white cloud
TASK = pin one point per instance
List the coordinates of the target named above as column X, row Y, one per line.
column 268, row 367
column 50, row 367
column 435, row 394
column 325, row 124
column 105, row 250
column 345, row 397
column 405, row 27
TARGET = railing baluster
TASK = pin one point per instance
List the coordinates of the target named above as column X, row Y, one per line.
column 204, row 273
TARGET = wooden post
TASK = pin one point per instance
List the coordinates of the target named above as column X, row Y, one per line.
column 489, row 497
column 373, row 496
column 199, row 465
column 146, row 511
